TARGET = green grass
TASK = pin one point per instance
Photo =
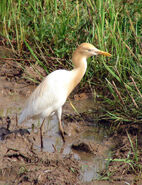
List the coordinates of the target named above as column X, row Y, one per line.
column 131, row 163
column 40, row 29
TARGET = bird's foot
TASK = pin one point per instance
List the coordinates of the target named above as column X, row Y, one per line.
column 63, row 137
column 63, row 134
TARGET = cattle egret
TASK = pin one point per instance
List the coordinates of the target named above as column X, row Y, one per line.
column 52, row 92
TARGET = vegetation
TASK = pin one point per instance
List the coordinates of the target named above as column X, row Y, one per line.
column 44, row 29
column 127, row 160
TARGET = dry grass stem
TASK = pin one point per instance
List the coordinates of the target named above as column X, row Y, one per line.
column 134, row 102
column 118, row 93
column 136, row 86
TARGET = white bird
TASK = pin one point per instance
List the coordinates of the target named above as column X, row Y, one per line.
column 52, row 92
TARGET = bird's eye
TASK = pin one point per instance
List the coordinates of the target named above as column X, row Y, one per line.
column 89, row 50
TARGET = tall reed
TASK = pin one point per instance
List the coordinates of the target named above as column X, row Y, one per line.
column 52, row 28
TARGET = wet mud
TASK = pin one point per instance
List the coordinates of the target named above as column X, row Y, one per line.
column 21, row 164
column 85, row 156
column 21, row 158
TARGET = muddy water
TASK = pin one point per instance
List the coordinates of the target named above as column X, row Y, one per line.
column 12, row 98
column 92, row 162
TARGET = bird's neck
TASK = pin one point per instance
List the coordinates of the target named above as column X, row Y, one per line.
column 80, row 66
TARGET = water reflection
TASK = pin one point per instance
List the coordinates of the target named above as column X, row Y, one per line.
column 91, row 164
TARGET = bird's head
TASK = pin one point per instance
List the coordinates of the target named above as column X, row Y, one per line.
column 88, row 50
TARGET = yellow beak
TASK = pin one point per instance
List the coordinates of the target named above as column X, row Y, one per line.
column 104, row 53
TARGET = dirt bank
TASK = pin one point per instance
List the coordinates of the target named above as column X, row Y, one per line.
column 22, row 162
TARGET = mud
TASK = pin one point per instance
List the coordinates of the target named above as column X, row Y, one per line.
column 23, row 165
column 88, row 154
column 22, row 160
column 126, row 163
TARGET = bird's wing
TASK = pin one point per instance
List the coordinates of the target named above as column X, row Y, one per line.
column 49, row 94
column 37, row 102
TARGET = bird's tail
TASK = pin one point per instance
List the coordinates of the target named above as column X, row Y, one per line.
column 21, row 120
column 22, row 117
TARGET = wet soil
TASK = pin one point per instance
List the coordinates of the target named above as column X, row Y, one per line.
column 21, row 164
column 126, row 161
column 21, row 158
column 89, row 147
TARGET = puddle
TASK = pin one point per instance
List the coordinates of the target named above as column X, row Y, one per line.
column 91, row 164
column 95, row 136
column 12, row 97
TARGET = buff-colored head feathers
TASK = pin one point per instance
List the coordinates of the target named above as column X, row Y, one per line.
column 88, row 50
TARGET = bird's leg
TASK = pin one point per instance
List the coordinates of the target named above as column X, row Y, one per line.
column 41, row 134
column 61, row 130
column 59, row 113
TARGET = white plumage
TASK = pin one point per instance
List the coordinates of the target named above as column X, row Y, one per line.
column 41, row 103
column 51, row 94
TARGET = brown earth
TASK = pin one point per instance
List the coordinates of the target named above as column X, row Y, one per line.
column 21, row 164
